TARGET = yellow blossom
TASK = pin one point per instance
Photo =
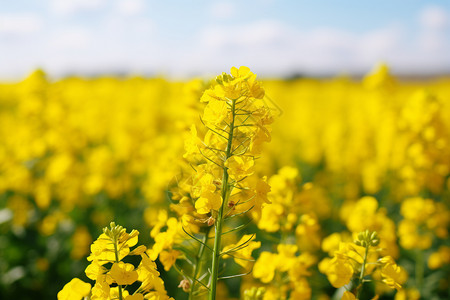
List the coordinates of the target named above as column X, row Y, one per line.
column 286, row 256
column 81, row 240
column 264, row 268
column 239, row 166
column 439, row 258
column 393, row 275
column 208, row 201
column 302, row 290
column 331, row 243
column 123, row 273
column 339, row 272
column 407, row 294
column 270, row 217
column 362, row 216
column 299, row 268
column 215, row 112
column 191, row 143
column 168, row 258
column 101, row 289
column 94, row 270
column 243, row 255
column 348, row 296
column 76, row 289
column 146, row 269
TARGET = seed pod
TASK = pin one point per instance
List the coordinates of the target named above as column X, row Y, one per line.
column 185, row 285
column 210, row 221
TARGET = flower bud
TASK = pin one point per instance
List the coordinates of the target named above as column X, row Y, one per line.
column 374, row 235
column 367, row 238
column 361, row 236
column 260, row 292
column 254, row 293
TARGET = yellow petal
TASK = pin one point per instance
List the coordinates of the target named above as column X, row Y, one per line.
column 76, row 289
column 123, row 273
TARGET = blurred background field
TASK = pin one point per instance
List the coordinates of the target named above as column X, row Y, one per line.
column 77, row 153
column 97, row 97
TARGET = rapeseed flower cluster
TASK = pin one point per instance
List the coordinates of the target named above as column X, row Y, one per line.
column 354, row 262
column 286, row 272
column 366, row 214
column 112, row 275
column 423, row 219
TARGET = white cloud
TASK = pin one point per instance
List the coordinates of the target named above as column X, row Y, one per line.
column 380, row 45
column 435, row 18
column 125, row 40
column 69, row 7
column 277, row 48
column 18, row 24
column 257, row 34
column 130, row 7
column 73, row 38
column 222, row 10
column 435, row 32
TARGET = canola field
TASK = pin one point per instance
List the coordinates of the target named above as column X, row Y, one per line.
column 232, row 188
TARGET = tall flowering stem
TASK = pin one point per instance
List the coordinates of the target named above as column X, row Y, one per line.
column 218, row 223
column 236, row 123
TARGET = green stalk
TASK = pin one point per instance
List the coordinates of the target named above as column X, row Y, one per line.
column 219, row 220
column 116, row 252
column 361, row 276
column 419, row 269
column 198, row 263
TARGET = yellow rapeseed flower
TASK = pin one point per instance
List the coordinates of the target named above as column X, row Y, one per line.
column 348, row 296
column 76, row 289
column 168, row 258
column 123, row 273
column 239, row 166
column 393, row 275
column 265, row 266
column 339, row 272
column 208, row 201
column 243, row 256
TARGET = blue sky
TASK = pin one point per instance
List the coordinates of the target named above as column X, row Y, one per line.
column 187, row 38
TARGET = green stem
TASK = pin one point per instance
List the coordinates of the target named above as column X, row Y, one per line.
column 198, row 263
column 361, row 276
column 116, row 252
column 419, row 269
column 219, row 220
column 278, row 283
